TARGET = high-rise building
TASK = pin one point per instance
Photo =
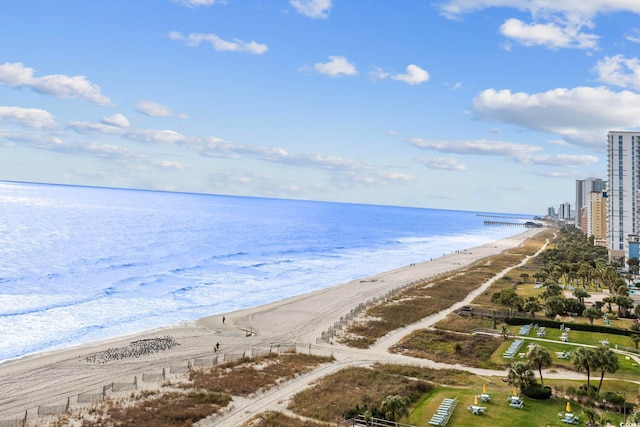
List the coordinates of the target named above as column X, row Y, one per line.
column 623, row 154
column 596, row 217
column 583, row 188
column 564, row 211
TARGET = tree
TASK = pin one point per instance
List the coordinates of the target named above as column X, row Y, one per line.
column 582, row 361
column 394, row 407
column 505, row 332
column 608, row 301
column 581, row 294
column 636, row 339
column 605, row 360
column 538, row 358
column 591, row 313
column 555, row 306
column 551, row 290
column 572, row 305
column 508, row 298
column 624, row 303
column 531, row 305
column 524, row 277
column 520, row 375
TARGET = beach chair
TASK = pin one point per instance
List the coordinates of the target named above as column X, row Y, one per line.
column 517, row 405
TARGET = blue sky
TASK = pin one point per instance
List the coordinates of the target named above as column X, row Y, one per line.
column 493, row 105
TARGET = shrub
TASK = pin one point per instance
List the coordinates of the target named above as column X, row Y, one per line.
column 538, row 392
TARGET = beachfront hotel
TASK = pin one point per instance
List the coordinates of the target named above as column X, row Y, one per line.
column 584, row 188
column 623, row 155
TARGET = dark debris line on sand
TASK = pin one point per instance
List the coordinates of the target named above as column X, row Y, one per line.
column 134, row 349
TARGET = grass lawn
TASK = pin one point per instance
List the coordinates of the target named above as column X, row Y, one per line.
column 536, row 413
column 628, row 368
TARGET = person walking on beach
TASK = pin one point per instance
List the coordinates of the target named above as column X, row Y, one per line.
column 223, row 319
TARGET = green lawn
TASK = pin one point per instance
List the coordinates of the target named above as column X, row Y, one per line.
column 535, row 413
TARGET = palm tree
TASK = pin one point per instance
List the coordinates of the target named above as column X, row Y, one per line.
column 520, row 375
column 591, row 313
column 394, row 407
column 582, row 361
column 531, row 305
column 605, row 360
column 538, row 358
column 581, row 294
column 636, row 339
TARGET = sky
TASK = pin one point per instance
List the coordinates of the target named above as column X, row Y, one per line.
column 482, row 105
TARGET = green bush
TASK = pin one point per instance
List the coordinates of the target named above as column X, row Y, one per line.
column 538, row 392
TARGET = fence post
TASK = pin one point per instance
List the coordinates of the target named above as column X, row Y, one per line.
column 68, row 403
column 163, row 374
column 24, row 421
column 135, row 382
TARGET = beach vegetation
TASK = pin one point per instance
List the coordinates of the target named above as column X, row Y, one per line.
column 279, row 419
column 355, row 390
column 247, row 376
column 450, row 347
column 163, row 410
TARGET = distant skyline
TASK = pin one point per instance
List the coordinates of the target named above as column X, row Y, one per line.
column 484, row 105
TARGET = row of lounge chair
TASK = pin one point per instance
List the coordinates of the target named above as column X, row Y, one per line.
column 525, row 329
column 513, row 349
column 442, row 415
column 563, row 354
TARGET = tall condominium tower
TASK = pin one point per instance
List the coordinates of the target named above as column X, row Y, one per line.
column 595, row 217
column 583, row 188
column 623, row 155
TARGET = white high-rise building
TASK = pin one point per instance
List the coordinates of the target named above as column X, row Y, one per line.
column 623, row 155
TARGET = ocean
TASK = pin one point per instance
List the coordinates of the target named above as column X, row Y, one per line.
column 80, row 264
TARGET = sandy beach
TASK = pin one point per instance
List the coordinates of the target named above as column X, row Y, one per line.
column 57, row 378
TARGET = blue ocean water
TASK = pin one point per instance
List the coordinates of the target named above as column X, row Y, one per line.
column 79, row 264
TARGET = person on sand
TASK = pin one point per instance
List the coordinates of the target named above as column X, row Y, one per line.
column 217, row 346
column 223, row 319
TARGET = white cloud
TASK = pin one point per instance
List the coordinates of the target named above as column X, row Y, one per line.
column 477, row 147
column 527, row 154
column 336, row 66
column 378, row 74
column 550, row 35
column 30, row 117
column 619, row 71
column 446, row 163
column 153, row 109
column 140, row 135
column 414, row 76
column 582, row 8
column 558, row 159
column 347, row 168
column 581, row 116
column 15, row 74
column 220, row 45
column 116, row 120
column 317, row 9
column 634, row 36
column 198, row 3
column 555, row 24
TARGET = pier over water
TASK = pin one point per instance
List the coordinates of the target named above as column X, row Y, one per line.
column 528, row 224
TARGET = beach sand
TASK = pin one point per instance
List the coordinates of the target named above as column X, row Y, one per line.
column 54, row 378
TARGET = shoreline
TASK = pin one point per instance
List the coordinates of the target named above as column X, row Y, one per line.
column 51, row 377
